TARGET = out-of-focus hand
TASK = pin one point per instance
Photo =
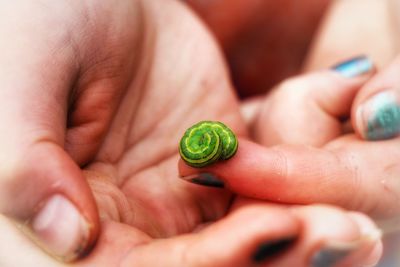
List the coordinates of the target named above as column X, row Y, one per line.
column 253, row 234
column 99, row 92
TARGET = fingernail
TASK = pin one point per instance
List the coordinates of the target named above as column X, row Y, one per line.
column 206, row 179
column 333, row 253
column 379, row 117
column 270, row 249
column 354, row 67
column 60, row 228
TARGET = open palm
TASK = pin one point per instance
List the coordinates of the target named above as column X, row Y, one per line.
column 92, row 113
column 134, row 170
column 120, row 83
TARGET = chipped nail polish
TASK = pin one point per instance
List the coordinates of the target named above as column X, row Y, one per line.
column 335, row 252
column 329, row 256
column 354, row 67
column 379, row 117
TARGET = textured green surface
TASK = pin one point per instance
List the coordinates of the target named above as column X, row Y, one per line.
column 207, row 142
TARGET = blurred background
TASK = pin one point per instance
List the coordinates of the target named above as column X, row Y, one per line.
column 265, row 41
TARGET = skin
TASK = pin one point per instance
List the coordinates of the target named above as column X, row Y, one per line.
column 308, row 155
column 102, row 83
column 101, row 104
column 339, row 40
column 122, row 245
column 378, row 187
column 347, row 170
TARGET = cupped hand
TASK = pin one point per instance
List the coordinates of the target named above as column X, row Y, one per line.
column 109, row 88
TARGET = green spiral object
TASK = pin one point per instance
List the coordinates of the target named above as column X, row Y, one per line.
column 207, row 142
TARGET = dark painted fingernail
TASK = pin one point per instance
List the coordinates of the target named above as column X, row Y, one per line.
column 329, row 257
column 379, row 117
column 206, row 179
column 270, row 249
column 354, row 67
column 335, row 252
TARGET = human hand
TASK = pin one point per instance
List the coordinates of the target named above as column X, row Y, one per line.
column 309, row 159
column 101, row 104
column 336, row 39
column 100, row 91
column 305, row 236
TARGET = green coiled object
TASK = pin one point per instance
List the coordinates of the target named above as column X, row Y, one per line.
column 207, row 142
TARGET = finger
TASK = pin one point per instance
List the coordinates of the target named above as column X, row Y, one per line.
column 40, row 185
column 303, row 174
column 329, row 237
column 334, row 237
column 226, row 243
column 294, row 174
column 376, row 111
column 310, row 109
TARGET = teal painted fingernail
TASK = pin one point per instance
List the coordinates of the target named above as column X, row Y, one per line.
column 354, row 67
column 206, row 179
column 379, row 117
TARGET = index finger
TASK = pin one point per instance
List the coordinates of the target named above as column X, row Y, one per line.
column 345, row 176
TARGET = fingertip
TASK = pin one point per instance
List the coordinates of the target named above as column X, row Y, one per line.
column 356, row 67
column 378, row 117
column 369, row 230
column 336, row 237
column 60, row 228
column 184, row 169
column 246, row 173
column 376, row 109
column 55, row 203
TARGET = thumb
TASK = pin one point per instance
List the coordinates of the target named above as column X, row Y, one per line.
column 40, row 185
column 376, row 110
